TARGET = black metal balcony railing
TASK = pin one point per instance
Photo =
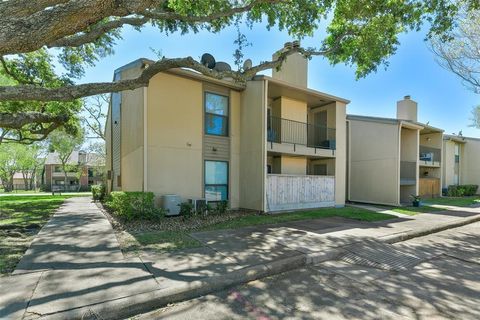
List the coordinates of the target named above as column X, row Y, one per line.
column 281, row 130
column 429, row 154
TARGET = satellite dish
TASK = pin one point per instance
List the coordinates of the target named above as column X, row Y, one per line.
column 222, row 66
column 247, row 64
column 208, row 60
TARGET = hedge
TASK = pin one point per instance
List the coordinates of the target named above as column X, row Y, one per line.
column 133, row 205
column 98, row 192
column 462, row 190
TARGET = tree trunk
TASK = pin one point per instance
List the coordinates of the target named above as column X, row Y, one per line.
column 10, row 183
column 25, row 180
column 32, row 179
column 66, row 177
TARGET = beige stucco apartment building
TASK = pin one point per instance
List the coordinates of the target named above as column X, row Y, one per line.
column 461, row 160
column 390, row 159
column 272, row 145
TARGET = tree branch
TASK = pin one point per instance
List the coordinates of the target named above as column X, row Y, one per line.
column 12, row 126
column 22, row 8
column 19, row 120
column 69, row 93
column 96, row 117
column 66, row 19
column 165, row 15
column 96, row 32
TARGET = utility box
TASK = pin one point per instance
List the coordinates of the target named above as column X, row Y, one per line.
column 171, row 203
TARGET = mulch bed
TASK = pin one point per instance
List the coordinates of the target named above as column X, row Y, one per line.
column 176, row 223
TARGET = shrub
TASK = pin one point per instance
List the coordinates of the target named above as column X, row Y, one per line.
column 221, row 207
column 205, row 208
column 453, row 191
column 462, row 190
column 186, row 209
column 98, row 192
column 134, row 205
column 470, row 189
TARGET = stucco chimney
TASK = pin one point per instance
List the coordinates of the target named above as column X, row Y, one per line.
column 407, row 109
column 295, row 68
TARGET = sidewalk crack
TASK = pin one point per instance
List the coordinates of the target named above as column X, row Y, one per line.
column 31, row 296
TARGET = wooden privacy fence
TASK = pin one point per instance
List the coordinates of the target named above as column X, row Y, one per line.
column 286, row 192
column 429, row 187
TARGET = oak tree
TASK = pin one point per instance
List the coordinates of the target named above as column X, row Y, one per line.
column 77, row 33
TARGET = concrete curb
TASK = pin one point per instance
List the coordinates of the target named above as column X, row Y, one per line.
column 145, row 302
column 426, row 231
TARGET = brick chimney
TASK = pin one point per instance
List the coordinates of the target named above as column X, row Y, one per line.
column 295, row 68
column 407, row 109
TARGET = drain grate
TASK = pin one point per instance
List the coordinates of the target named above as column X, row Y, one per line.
column 381, row 256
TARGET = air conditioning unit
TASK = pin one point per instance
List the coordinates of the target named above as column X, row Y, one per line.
column 198, row 203
column 171, row 204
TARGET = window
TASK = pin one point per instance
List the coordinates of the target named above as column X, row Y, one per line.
column 90, row 172
column 57, row 169
column 320, row 169
column 216, row 180
column 216, row 114
column 457, row 153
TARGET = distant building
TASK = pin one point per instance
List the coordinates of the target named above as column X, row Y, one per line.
column 19, row 182
column 87, row 170
column 461, row 160
column 390, row 159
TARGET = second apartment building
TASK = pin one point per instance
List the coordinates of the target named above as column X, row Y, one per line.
column 271, row 145
column 391, row 159
column 461, row 160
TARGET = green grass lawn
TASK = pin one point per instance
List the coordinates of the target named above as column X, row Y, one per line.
column 347, row 212
column 426, row 205
column 450, row 201
column 21, row 217
column 161, row 241
column 411, row 211
column 23, row 192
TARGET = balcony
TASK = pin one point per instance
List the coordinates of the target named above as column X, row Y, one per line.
column 430, row 157
column 289, row 192
column 300, row 136
column 61, row 174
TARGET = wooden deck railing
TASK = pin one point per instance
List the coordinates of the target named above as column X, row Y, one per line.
column 286, row 192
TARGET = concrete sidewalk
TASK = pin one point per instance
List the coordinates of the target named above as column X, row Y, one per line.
column 75, row 268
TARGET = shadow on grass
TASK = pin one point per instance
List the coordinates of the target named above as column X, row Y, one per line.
column 135, row 240
column 21, row 218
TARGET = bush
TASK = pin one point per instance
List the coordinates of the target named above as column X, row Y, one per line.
column 186, row 209
column 134, row 205
column 454, row 191
column 98, row 192
column 221, row 207
column 462, row 190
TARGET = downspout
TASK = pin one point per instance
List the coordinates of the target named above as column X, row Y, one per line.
column 399, row 161
column 145, row 139
column 264, row 138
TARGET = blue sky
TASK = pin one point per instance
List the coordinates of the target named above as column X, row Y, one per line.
column 442, row 99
